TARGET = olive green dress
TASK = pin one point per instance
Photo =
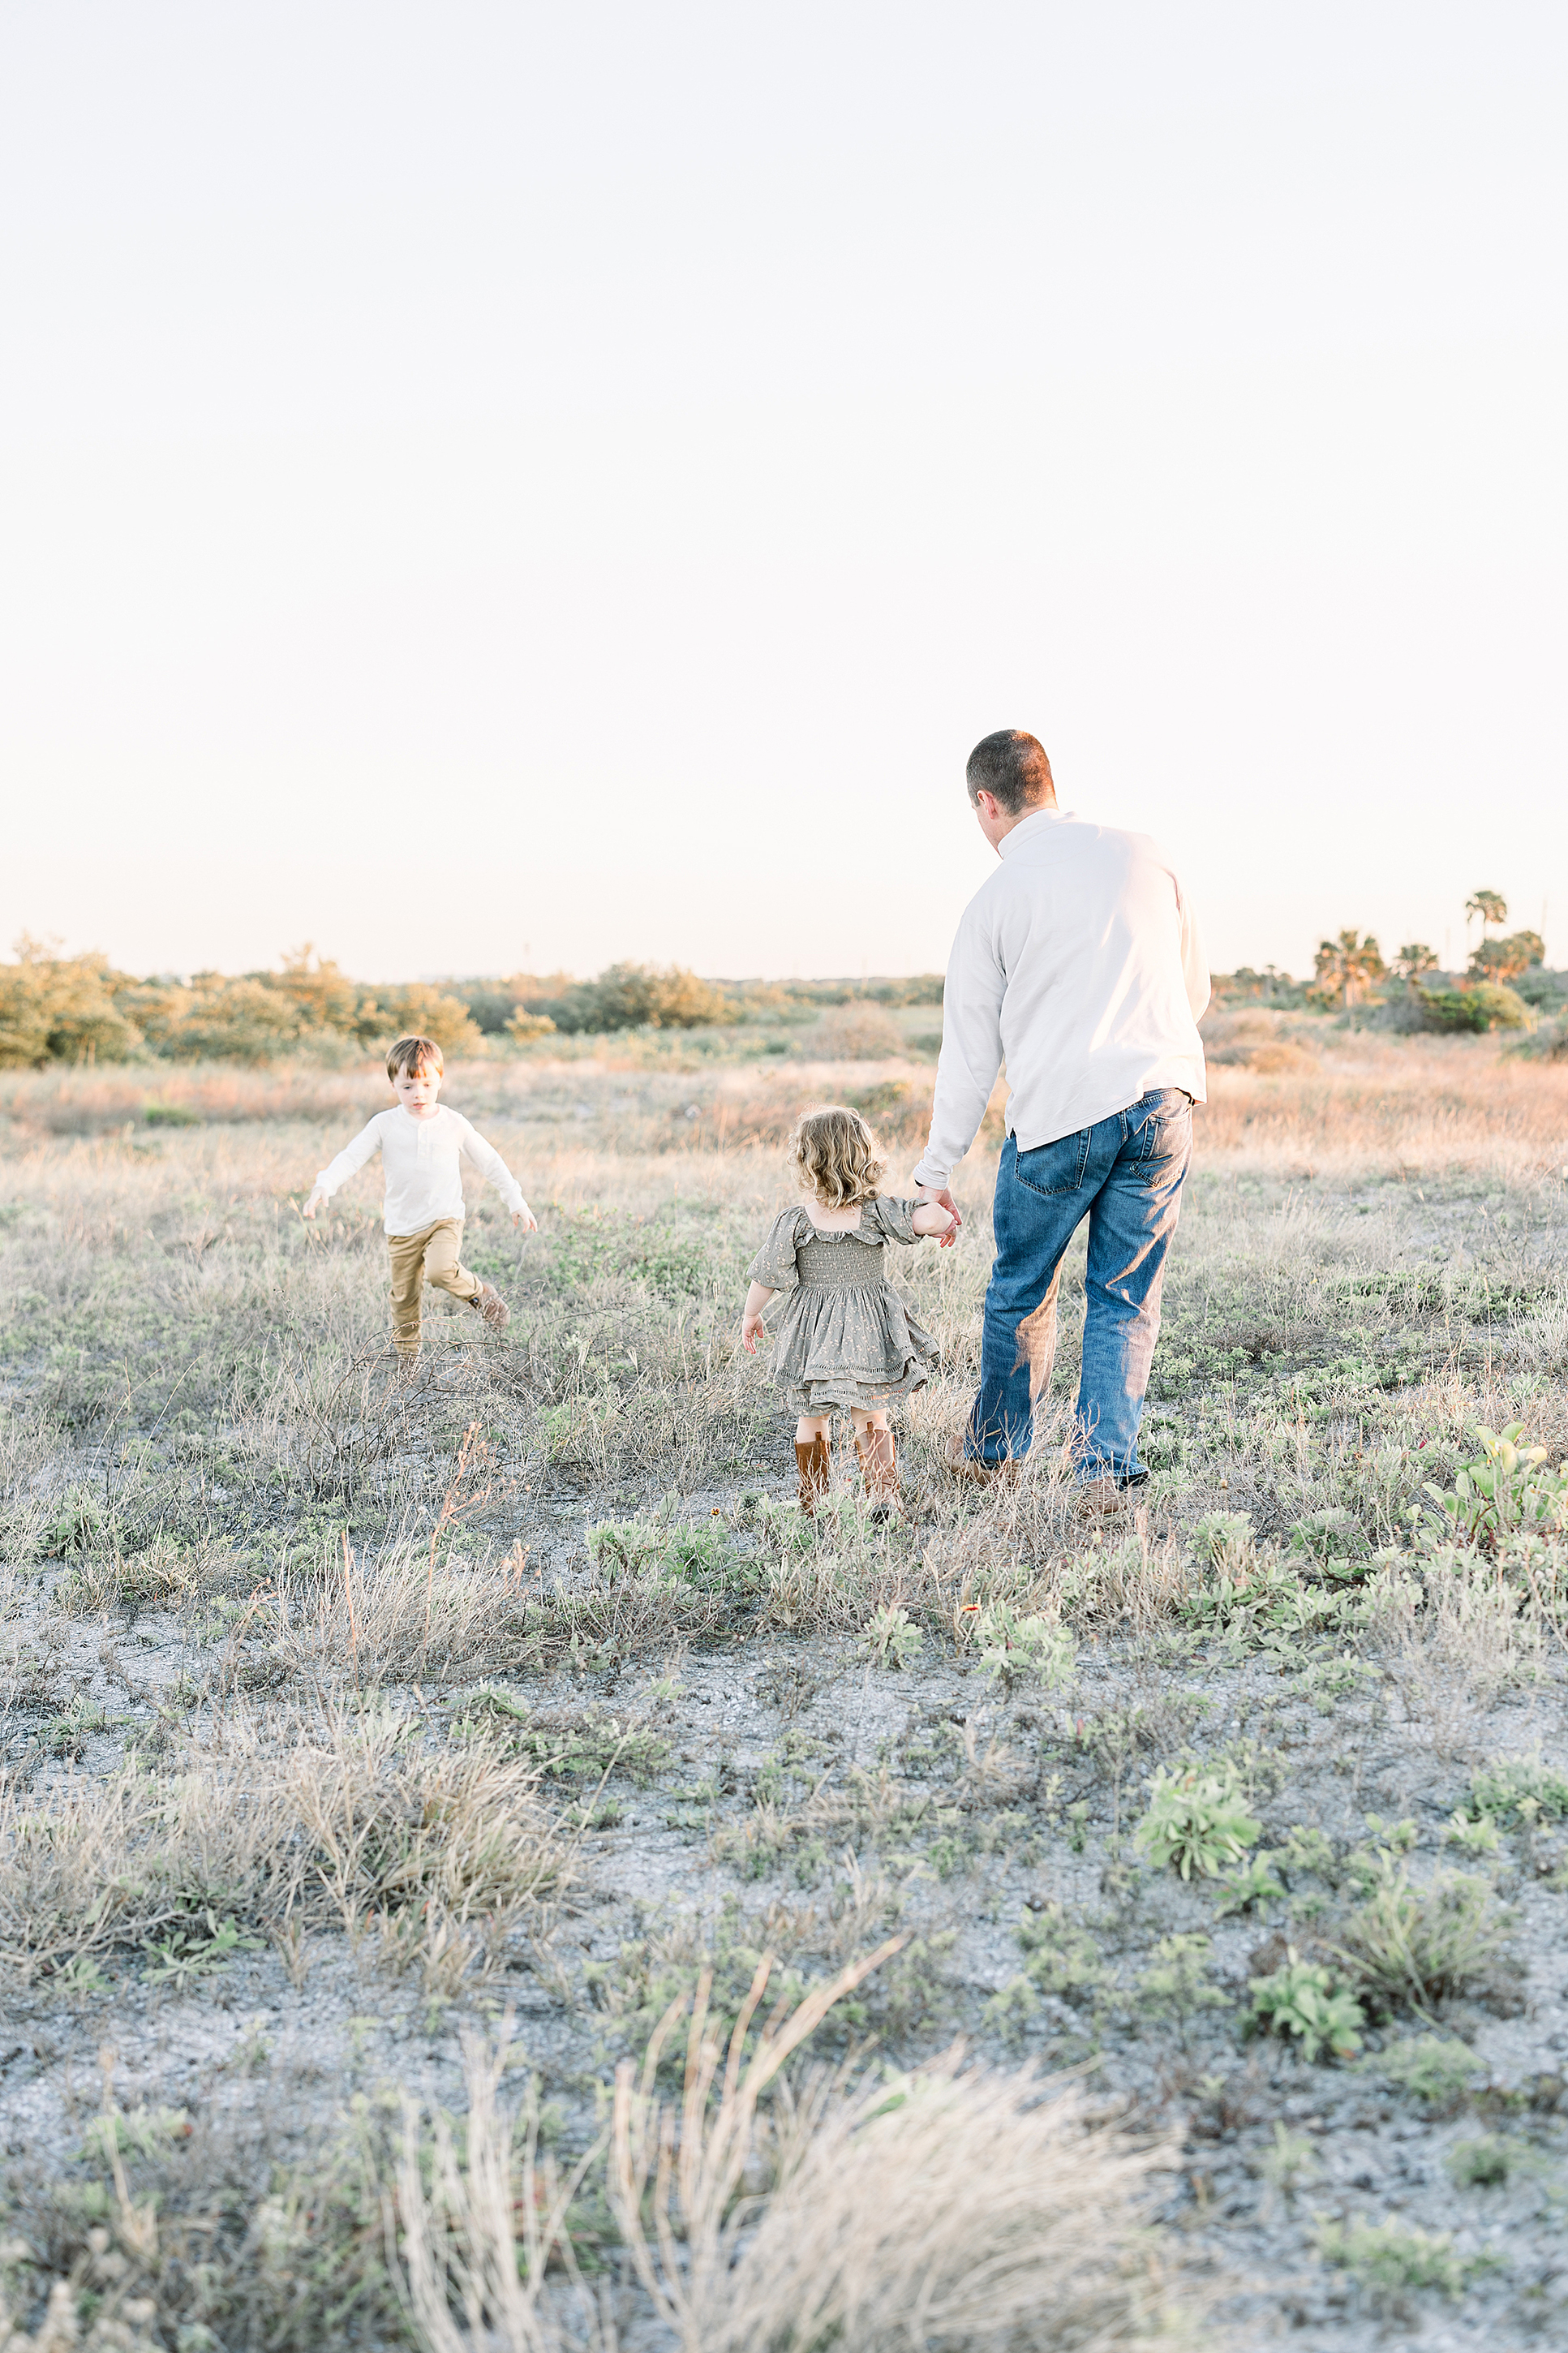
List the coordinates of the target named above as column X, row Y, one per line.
column 846, row 1338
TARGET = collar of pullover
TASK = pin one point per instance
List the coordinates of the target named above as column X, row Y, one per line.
column 1029, row 825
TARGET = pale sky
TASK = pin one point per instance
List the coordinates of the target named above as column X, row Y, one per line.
column 485, row 487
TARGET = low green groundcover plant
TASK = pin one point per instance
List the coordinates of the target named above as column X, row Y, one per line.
column 1016, row 1647
column 1508, row 1485
column 1307, row 2000
column 1393, row 2257
column 1437, row 2068
column 1196, row 1820
column 1519, row 1789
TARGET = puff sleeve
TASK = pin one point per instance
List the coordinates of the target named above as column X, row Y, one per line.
column 774, row 1265
column 892, row 1219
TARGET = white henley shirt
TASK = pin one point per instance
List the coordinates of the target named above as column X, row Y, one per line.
column 420, row 1158
column 1079, row 964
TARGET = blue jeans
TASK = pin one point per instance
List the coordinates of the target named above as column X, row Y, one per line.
column 1125, row 1175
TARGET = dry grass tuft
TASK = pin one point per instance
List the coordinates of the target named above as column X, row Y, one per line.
column 340, row 1820
column 480, row 2228
column 393, row 1615
column 1453, row 1638
column 948, row 2210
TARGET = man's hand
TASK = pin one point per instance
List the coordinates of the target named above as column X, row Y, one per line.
column 526, row 1219
column 944, row 1200
column 317, row 1197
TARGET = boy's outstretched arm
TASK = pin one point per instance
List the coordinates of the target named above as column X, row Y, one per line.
column 490, row 1165
column 337, row 1171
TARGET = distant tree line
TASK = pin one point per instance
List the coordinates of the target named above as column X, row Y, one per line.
column 639, row 997
column 56, row 1009
column 1504, row 978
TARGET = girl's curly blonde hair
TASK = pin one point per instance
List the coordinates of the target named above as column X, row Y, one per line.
column 835, row 1155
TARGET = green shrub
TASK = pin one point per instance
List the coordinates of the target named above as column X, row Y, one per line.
column 1506, row 1486
column 890, row 1638
column 1248, row 1884
column 693, row 1553
column 1307, row 1848
column 1437, row 2068
column 1481, row 2163
column 1513, row 1789
column 1393, row 2257
column 54, row 1010
column 1411, row 1945
column 1307, row 2000
column 216, row 1018
column 1486, row 1006
column 1013, row 1646
column 1060, row 1957
column 419, row 1011
column 1177, row 1984
column 637, row 997
column 1549, row 1043
column 1196, row 1819
column 78, row 1525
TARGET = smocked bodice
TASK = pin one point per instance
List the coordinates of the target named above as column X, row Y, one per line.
column 838, row 1263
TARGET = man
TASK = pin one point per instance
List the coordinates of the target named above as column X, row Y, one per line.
column 1079, row 963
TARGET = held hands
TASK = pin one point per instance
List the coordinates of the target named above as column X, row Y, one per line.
column 938, row 1196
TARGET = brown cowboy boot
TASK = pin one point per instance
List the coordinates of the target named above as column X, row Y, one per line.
column 812, row 1462
column 878, row 1469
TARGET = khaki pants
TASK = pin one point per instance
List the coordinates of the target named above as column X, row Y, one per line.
column 417, row 1258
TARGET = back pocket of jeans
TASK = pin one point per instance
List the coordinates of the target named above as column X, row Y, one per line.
column 1055, row 1167
column 1167, row 1135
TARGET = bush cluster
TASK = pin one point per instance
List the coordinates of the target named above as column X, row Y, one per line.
column 79, row 1009
column 637, row 997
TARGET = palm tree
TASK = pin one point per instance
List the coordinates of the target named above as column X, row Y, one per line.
column 1343, row 964
column 1490, row 905
column 1415, row 958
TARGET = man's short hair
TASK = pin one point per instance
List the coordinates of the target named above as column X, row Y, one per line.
column 1012, row 766
column 413, row 1055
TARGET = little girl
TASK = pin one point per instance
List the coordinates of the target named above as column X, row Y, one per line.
column 845, row 1339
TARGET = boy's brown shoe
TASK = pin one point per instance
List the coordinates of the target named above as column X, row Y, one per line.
column 491, row 1306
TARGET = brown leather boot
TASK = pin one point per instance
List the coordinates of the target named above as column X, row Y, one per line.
column 812, row 1462
column 878, row 1469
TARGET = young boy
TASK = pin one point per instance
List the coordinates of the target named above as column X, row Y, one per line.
column 419, row 1145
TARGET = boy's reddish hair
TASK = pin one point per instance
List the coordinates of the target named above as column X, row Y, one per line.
column 413, row 1055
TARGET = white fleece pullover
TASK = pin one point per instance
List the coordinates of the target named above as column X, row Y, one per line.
column 420, row 1160
column 1078, row 962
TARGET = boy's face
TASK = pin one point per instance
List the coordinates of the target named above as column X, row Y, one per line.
column 416, row 1090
